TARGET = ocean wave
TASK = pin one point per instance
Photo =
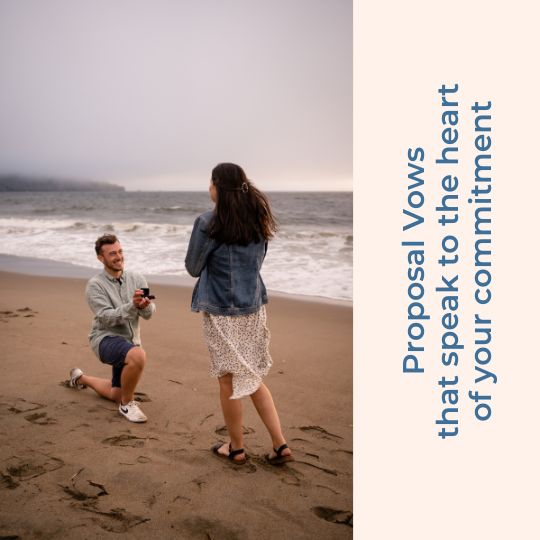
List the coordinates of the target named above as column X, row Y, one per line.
column 37, row 225
column 311, row 253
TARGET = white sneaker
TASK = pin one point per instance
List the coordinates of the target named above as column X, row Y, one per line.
column 74, row 375
column 132, row 412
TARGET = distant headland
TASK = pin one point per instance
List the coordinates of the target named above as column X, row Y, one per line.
column 12, row 182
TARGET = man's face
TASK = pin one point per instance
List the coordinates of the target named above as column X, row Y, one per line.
column 112, row 257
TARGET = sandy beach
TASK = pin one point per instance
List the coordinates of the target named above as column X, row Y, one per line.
column 72, row 467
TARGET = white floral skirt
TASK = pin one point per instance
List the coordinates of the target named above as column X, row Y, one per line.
column 238, row 344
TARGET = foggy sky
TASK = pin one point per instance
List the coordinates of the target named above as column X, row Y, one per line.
column 152, row 94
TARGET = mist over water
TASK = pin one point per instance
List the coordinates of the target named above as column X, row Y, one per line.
column 311, row 254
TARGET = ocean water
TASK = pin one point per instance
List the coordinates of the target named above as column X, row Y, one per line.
column 310, row 255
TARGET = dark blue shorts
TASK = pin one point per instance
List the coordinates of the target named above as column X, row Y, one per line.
column 113, row 351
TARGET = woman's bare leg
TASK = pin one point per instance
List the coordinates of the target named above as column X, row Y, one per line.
column 262, row 399
column 232, row 414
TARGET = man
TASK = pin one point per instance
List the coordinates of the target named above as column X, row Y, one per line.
column 116, row 299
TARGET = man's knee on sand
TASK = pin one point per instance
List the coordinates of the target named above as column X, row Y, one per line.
column 136, row 358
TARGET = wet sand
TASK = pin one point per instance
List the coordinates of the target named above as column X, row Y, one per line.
column 72, row 467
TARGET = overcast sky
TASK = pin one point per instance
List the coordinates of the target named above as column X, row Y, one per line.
column 152, row 94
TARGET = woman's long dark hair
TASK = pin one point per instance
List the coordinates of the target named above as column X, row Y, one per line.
column 242, row 213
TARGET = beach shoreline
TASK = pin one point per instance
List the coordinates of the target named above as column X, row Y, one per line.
column 48, row 268
column 72, row 467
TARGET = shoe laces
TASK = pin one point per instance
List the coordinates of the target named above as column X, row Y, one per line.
column 132, row 403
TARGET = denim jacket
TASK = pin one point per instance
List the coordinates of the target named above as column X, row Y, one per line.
column 229, row 280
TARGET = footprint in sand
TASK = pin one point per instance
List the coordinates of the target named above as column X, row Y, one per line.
column 20, row 405
column 287, row 474
column 25, row 312
column 141, row 397
column 151, row 500
column 199, row 527
column 31, row 466
column 40, row 419
column 341, row 517
column 127, row 440
column 222, row 430
column 28, row 312
column 7, row 482
column 181, row 498
column 83, row 489
column 247, row 468
column 118, row 520
column 319, row 432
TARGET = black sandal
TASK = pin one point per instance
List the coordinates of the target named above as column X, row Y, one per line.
column 231, row 455
column 279, row 458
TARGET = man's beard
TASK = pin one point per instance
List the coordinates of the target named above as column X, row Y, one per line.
column 113, row 269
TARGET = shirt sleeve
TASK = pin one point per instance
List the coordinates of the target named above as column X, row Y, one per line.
column 106, row 314
column 200, row 246
column 148, row 311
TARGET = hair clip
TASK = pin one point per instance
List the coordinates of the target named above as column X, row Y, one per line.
column 244, row 188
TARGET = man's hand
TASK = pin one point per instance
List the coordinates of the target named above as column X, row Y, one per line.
column 139, row 301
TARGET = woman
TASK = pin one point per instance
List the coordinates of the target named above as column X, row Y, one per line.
column 226, row 251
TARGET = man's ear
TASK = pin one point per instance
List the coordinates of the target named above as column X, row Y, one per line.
column 101, row 259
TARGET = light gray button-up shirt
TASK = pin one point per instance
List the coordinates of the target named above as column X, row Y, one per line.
column 112, row 305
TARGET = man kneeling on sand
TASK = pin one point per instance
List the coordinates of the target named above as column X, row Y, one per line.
column 117, row 300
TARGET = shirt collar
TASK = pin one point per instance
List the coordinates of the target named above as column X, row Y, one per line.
column 120, row 280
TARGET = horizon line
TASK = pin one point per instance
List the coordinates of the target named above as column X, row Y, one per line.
column 264, row 190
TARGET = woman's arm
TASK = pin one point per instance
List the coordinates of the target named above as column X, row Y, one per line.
column 200, row 246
